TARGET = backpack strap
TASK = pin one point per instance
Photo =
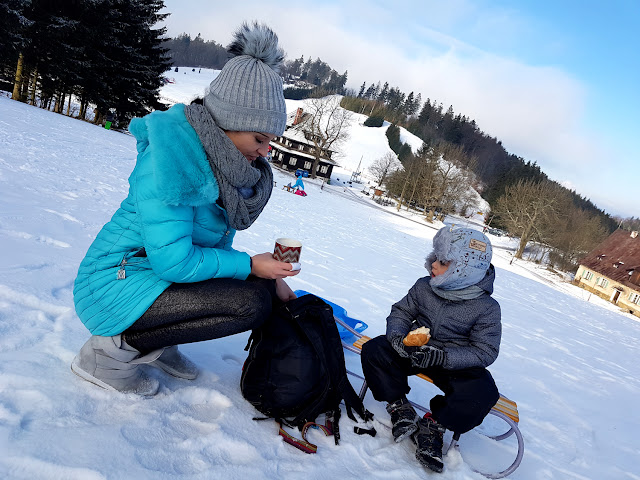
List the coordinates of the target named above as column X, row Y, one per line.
column 325, row 334
column 300, row 320
column 305, row 445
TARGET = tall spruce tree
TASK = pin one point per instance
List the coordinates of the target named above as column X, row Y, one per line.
column 135, row 56
column 13, row 24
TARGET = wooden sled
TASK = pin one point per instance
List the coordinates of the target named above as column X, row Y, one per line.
column 505, row 409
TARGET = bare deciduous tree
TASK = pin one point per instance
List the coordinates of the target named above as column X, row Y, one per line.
column 326, row 126
column 527, row 206
column 574, row 236
column 433, row 179
column 383, row 166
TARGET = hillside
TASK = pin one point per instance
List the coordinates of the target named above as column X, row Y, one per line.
column 567, row 358
column 365, row 145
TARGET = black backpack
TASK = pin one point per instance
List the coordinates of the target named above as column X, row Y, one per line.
column 295, row 370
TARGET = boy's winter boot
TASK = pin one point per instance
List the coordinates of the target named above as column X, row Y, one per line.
column 175, row 363
column 113, row 365
column 403, row 419
column 429, row 443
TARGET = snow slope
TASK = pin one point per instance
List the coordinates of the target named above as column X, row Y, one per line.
column 569, row 360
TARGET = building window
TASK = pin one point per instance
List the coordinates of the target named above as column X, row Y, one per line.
column 587, row 275
column 307, row 165
column 602, row 282
column 634, row 298
column 293, row 161
column 323, row 169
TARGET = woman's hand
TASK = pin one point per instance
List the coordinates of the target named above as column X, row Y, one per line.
column 264, row 265
column 284, row 291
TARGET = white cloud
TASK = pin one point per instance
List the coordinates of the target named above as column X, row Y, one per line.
column 535, row 110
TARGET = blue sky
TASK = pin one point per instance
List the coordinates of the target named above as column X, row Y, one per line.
column 556, row 81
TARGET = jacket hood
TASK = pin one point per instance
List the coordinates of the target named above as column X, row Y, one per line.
column 486, row 283
column 180, row 166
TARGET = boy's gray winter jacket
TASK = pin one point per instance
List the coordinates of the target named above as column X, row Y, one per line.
column 469, row 331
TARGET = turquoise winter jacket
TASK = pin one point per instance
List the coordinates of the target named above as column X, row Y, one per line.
column 171, row 212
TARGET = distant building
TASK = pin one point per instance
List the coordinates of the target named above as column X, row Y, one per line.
column 612, row 271
column 293, row 151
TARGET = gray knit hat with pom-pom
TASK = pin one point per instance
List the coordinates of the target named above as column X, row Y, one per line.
column 247, row 94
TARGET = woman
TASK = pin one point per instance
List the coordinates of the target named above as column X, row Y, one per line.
column 162, row 271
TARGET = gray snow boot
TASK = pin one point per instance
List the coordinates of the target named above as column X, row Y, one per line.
column 403, row 419
column 175, row 363
column 113, row 365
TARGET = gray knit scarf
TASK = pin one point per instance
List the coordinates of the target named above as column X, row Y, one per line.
column 467, row 293
column 235, row 174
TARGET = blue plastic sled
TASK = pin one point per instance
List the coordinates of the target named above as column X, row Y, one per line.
column 339, row 312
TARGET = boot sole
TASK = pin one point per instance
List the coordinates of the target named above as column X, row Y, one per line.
column 406, row 435
column 174, row 373
column 75, row 368
column 431, row 463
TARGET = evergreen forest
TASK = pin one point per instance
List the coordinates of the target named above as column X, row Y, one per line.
column 106, row 53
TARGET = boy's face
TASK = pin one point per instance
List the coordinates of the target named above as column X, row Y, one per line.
column 439, row 267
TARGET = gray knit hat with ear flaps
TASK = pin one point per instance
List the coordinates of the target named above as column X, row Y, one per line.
column 469, row 252
column 247, row 94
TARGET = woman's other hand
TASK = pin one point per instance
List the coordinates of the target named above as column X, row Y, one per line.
column 284, row 291
column 264, row 265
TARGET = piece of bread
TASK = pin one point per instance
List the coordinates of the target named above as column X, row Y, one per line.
column 417, row 338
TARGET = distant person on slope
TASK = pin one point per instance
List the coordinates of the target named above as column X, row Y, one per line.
column 162, row 271
column 455, row 303
column 298, row 184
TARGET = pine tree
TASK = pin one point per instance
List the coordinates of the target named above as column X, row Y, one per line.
column 408, row 107
column 137, row 58
column 382, row 95
column 370, row 93
column 13, row 24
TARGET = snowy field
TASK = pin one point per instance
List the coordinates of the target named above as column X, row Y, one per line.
column 568, row 359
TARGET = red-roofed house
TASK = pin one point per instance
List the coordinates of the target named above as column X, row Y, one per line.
column 612, row 270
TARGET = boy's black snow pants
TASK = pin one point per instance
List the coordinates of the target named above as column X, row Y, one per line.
column 468, row 396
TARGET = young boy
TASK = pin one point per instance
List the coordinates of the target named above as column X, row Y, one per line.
column 455, row 304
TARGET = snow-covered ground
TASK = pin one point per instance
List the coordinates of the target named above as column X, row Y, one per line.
column 568, row 359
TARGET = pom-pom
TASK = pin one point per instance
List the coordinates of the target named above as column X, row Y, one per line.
column 257, row 41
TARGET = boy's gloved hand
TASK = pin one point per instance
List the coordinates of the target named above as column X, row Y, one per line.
column 427, row 356
column 421, row 357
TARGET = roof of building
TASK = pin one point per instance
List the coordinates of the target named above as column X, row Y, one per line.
column 299, row 153
column 293, row 130
column 616, row 258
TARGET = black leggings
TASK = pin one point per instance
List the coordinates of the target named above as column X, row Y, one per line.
column 469, row 393
column 194, row 312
